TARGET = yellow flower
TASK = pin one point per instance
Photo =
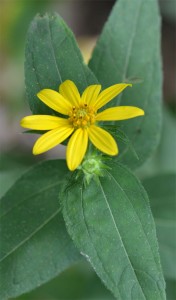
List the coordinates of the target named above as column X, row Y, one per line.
column 80, row 121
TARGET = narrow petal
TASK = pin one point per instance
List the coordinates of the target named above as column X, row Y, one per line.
column 55, row 100
column 102, row 140
column 70, row 92
column 119, row 113
column 43, row 122
column 51, row 139
column 76, row 148
column 110, row 93
column 90, row 94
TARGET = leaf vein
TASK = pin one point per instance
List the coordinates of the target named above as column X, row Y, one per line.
column 32, row 234
column 25, row 199
column 86, row 225
column 118, row 233
column 53, row 51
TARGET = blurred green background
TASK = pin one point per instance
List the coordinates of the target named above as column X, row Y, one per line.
column 79, row 282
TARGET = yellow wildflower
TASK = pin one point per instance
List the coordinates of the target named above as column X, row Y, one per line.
column 81, row 121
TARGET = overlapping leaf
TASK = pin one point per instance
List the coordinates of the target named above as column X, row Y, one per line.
column 129, row 48
column 162, row 192
column 35, row 246
column 52, row 56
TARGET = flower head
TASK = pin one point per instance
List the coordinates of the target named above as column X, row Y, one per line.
column 80, row 120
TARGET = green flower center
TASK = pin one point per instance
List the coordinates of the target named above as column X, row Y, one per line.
column 82, row 117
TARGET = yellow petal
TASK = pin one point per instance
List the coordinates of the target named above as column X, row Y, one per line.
column 90, row 94
column 70, row 92
column 110, row 93
column 43, row 122
column 119, row 113
column 51, row 139
column 102, row 140
column 55, row 100
column 76, row 148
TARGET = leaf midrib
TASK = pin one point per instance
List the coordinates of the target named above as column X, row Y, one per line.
column 135, row 214
column 141, row 122
column 31, row 235
column 128, row 53
column 119, row 236
column 143, row 231
column 31, row 196
column 87, row 229
column 124, row 74
column 53, row 50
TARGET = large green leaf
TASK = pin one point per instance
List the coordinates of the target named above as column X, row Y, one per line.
column 162, row 193
column 35, row 246
column 52, row 56
column 129, row 48
column 112, row 225
column 82, row 281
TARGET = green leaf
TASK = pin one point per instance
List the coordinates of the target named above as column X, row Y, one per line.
column 52, row 56
column 120, row 136
column 112, row 225
column 12, row 165
column 164, row 160
column 82, row 281
column 166, row 154
column 162, row 193
column 171, row 289
column 129, row 47
column 35, row 246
